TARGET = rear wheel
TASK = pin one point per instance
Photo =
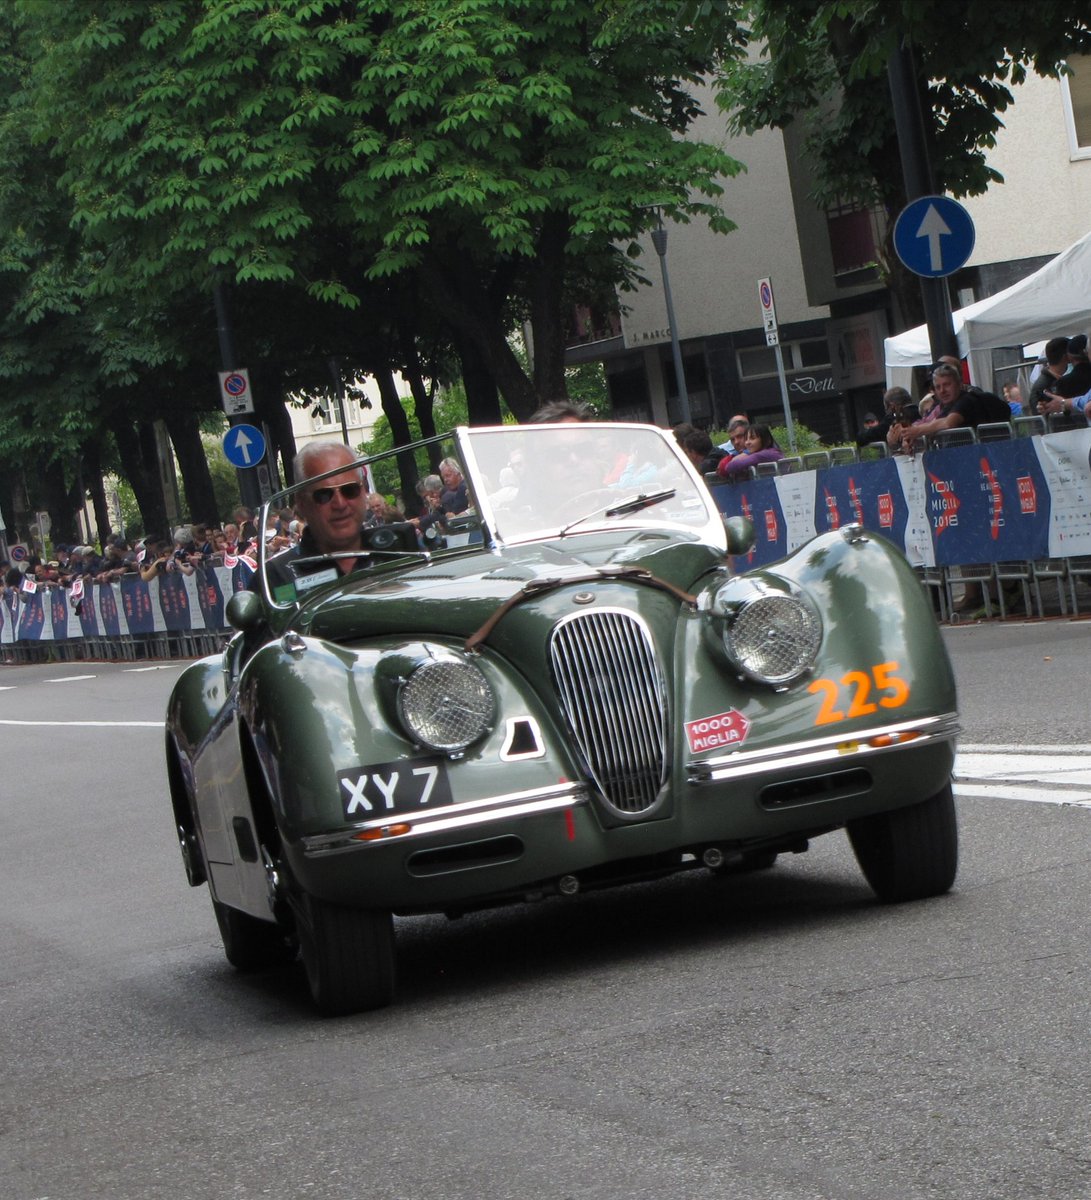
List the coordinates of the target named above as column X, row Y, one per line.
column 250, row 944
column 348, row 954
column 909, row 853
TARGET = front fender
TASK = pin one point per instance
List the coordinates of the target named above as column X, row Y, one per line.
column 316, row 709
column 877, row 629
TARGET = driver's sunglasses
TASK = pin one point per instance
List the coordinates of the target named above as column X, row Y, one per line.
column 349, row 491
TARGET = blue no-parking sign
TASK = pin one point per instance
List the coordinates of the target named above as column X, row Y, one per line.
column 244, row 446
column 934, row 236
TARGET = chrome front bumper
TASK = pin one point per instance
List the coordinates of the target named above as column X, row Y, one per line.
column 836, row 748
column 464, row 815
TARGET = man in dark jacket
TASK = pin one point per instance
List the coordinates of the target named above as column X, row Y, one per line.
column 960, row 405
column 1067, row 393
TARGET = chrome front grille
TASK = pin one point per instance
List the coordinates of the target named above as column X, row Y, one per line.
column 605, row 670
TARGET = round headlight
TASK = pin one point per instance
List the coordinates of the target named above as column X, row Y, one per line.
column 773, row 638
column 446, row 704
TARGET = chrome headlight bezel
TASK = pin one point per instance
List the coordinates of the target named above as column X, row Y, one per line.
column 445, row 703
column 769, row 630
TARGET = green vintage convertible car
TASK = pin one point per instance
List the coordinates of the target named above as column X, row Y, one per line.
column 574, row 686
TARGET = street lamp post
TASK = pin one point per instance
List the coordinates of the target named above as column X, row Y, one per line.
column 659, row 241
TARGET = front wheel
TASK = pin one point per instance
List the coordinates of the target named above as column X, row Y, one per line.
column 909, row 853
column 250, row 944
column 348, row 954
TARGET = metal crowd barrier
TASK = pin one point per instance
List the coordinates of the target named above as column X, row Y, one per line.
column 128, row 620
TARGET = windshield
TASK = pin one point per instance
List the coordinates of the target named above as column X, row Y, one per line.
column 536, row 481
column 476, row 487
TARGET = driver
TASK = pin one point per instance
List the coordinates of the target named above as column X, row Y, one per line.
column 334, row 511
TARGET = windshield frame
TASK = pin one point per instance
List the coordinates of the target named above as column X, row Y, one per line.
column 483, row 517
column 710, row 530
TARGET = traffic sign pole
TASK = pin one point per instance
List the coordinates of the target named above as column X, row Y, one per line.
column 917, row 172
column 249, row 485
column 772, row 338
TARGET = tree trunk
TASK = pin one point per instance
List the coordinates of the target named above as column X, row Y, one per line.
column 185, row 436
column 399, row 427
column 283, row 437
column 547, row 311
column 482, row 398
column 423, row 397
column 142, row 472
column 58, row 503
column 92, row 477
column 466, row 307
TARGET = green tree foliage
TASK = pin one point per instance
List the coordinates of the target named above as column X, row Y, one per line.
column 480, row 154
column 824, row 63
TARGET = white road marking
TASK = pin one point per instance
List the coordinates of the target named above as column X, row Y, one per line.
column 1039, row 774
column 68, row 678
column 157, row 667
column 91, row 724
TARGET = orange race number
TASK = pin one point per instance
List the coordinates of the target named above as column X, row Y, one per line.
column 859, row 693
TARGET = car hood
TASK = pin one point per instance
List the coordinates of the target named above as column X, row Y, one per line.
column 455, row 594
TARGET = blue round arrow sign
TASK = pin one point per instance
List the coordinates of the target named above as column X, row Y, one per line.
column 244, row 446
column 934, row 236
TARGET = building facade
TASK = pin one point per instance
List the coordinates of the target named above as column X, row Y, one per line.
column 832, row 308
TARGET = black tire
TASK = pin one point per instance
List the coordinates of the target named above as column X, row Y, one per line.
column 348, row 954
column 250, row 944
column 910, row 853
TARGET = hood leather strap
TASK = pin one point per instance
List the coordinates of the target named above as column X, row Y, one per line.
column 538, row 587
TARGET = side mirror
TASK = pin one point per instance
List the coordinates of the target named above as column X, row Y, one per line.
column 740, row 534
column 244, row 611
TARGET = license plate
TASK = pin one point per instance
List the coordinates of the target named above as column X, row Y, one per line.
column 394, row 789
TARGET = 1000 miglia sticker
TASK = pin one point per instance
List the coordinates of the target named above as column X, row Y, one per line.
column 713, row 733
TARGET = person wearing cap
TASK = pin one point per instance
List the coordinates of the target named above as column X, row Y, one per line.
column 737, row 429
column 1069, row 394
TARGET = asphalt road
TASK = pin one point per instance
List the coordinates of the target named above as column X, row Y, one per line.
column 777, row 1036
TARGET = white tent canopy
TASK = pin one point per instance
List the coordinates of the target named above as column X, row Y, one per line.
column 1055, row 300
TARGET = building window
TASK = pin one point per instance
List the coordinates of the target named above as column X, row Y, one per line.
column 855, row 234
column 759, row 362
column 1076, row 100
column 756, row 362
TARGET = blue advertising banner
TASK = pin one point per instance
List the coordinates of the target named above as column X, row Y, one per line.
column 58, row 607
column 137, row 600
column 174, row 602
column 31, row 615
column 758, row 501
column 107, row 607
column 869, row 494
column 211, row 597
column 87, row 611
column 987, row 503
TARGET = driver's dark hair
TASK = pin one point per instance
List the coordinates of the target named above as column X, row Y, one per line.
column 561, row 410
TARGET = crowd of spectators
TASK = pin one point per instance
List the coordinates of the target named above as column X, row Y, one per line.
column 1061, row 384
column 194, row 545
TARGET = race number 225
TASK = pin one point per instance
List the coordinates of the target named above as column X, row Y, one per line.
column 859, row 693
